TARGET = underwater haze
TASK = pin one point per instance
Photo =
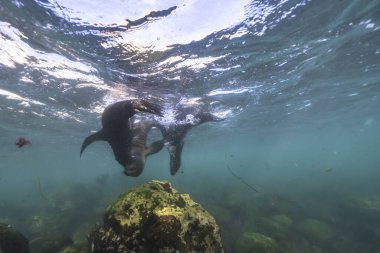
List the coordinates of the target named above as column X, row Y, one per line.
column 297, row 81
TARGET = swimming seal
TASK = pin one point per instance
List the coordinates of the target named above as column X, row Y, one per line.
column 138, row 153
column 174, row 135
column 117, row 132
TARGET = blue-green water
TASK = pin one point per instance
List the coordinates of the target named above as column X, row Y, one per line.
column 297, row 81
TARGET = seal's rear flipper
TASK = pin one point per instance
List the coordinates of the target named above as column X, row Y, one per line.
column 175, row 152
column 98, row 136
column 155, row 147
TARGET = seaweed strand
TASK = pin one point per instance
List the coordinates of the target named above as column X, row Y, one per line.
column 239, row 178
column 40, row 190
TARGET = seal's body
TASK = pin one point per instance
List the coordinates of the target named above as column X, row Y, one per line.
column 116, row 130
column 140, row 128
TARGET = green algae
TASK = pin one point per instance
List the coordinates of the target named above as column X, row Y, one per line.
column 276, row 226
column 252, row 242
column 315, row 230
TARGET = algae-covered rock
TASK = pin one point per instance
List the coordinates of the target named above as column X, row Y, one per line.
column 12, row 241
column 156, row 218
column 315, row 230
column 282, row 220
column 276, row 226
column 251, row 242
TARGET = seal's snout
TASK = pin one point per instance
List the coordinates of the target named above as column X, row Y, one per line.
column 145, row 106
column 132, row 172
column 134, row 169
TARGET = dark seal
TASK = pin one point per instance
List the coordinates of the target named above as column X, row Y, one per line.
column 117, row 132
column 174, row 134
column 139, row 151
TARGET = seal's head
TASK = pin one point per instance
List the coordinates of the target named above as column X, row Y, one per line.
column 137, row 156
column 135, row 166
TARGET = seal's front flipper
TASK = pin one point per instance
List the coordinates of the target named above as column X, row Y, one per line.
column 140, row 105
column 155, row 147
column 98, row 136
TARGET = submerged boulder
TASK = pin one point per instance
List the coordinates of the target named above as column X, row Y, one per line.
column 252, row 242
column 156, row 218
column 276, row 226
column 315, row 230
column 12, row 241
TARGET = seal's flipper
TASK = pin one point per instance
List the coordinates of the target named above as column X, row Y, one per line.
column 206, row 117
column 175, row 146
column 145, row 106
column 116, row 116
column 98, row 136
column 155, row 147
column 175, row 152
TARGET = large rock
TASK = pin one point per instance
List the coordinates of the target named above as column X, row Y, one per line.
column 12, row 241
column 156, row 218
